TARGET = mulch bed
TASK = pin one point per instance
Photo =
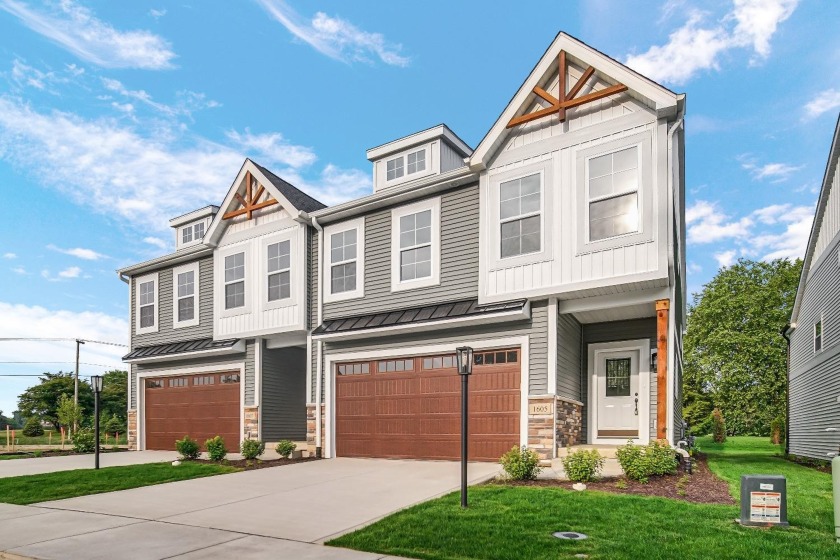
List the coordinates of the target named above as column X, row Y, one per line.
column 700, row 487
column 247, row 465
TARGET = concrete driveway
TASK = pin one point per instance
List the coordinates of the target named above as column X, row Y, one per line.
column 282, row 512
column 40, row 465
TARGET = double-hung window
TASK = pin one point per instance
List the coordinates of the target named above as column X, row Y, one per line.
column 235, row 281
column 416, row 246
column 279, row 270
column 147, row 304
column 818, row 336
column 613, row 194
column 185, row 295
column 343, row 261
column 520, row 215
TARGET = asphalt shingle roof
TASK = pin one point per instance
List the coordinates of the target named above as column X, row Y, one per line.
column 297, row 197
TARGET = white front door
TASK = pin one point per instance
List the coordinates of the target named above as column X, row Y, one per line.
column 618, row 398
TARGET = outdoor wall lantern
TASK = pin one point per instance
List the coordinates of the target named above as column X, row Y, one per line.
column 464, row 357
column 96, row 383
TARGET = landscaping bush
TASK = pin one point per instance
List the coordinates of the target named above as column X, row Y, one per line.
column 252, row 448
column 285, row 448
column 584, row 465
column 216, row 448
column 640, row 462
column 33, row 427
column 521, row 463
column 188, row 448
column 84, row 441
column 114, row 425
column 718, row 426
column 777, row 431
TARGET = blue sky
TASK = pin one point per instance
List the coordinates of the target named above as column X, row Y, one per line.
column 115, row 117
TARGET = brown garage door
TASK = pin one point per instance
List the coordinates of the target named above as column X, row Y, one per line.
column 201, row 405
column 410, row 408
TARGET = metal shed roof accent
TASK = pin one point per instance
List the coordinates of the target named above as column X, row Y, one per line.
column 175, row 348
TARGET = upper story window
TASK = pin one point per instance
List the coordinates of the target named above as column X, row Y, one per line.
column 415, row 245
column 343, row 261
column 416, row 162
column 235, row 281
column 411, row 163
column 146, row 309
column 613, row 194
column 279, row 270
column 520, row 213
column 395, row 168
column 818, row 336
column 185, row 295
column 192, row 232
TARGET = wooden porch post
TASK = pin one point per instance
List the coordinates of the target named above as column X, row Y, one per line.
column 663, row 307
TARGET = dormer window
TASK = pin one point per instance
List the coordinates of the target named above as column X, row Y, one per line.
column 416, row 161
column 411, row 163
column 192, row 232
column 395, row 168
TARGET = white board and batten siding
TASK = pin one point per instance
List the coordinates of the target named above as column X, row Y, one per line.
column 259, row 316
column 567, row 265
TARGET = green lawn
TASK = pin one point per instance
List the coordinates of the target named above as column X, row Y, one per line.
column 516, row 522
column 54, row 438
column 69, row 484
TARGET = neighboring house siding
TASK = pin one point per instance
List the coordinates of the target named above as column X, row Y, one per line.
column 536, row 329
column 314, row 284
column 568, row 357
column 616, row 331
column 830, row 224
column 250, row 349
column 165, row 333
column 459, row 221
column 283, row 409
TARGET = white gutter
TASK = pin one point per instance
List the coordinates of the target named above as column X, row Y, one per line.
column 319, row 344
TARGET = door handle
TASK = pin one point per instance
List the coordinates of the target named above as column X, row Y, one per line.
column 636, row 412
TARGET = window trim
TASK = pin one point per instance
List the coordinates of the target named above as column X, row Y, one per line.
column 501, row 221
column 406, row 176
column 359, row 225
column 269, row 273
column 196, row 320
column 398, row 285
column 821, row 324
column 296, row 275
column 646, row 192
column 154, row 277
column 220, row 283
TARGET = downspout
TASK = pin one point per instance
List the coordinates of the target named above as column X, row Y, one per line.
column 784, row 333
column 318, row 343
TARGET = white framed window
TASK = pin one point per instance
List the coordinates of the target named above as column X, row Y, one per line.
column 186, row 235
column 818, row 336
column 520, row 216
column 192, row 233
column 415, row 245
column 146, row 304
column 613, row 193
column 234, row 280
column 279, row 271
column 415, row 162
column 185, row 290
column 394, row 168
column 406, row 165
column 344, row 249
column 198, row 231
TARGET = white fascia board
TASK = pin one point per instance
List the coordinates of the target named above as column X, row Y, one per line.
column 484, row 319
column 422, row 137
column 420, row 188
column 237, row 348
column 662, row 100
column 194, row 215
column 189, row 253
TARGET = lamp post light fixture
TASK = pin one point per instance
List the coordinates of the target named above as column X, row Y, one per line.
column 464, row 357
column 96, row 383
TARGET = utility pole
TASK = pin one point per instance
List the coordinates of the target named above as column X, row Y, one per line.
column 76, row 385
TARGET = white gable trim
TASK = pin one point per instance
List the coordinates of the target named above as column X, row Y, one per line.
column 660, row 99
column 214, row 234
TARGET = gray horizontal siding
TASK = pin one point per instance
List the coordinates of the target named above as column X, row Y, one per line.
column 250, row 349
column 536, row 329
column 313, row 306
column 165, row 333
column 459, row 231
column 616, row 331
column 283, row 400
column 568, row 357
column 814, row 408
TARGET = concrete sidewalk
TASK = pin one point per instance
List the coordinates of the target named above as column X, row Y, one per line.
column 40, row 465
column 283, row 512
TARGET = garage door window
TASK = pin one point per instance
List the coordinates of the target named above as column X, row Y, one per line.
column 439, row 362
column 179, row 382
column 354, row 369
column 230, row 378
column 387, row 366
column 154, row 384
column 204, row 380
column 493, row 358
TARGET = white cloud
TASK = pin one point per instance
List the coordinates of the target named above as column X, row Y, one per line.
column 188, row 101
column 70, row 272
column 694, row 268
column 777, row 172
column 336, row 37
column 76, row 28
column 725, row 258
column 86, row 254
column 793, row 240
column 708, row 224
column 19, row 270
column 157, row 13
column 274, row 147
column 156, row 241
column 823, row 102
column 9, row 256
column 699, row 44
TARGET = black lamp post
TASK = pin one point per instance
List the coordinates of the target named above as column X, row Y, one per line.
column 464, row 357
column 96, row 383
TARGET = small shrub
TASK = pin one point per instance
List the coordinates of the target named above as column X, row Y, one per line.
column 84, row 441
column 777, row 431
column 33, row 427
column 640, row 462
column 521, row 463
column 188, row 448
column 252, row 448
column 216, row 448
column 114, row 425
column 621, row 484
column 584, row 465
column 285, row 448
column 37, row 454
column 718, row 426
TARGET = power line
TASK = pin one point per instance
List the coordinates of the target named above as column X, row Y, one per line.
column 37, row 339
column 64, row 362
column 36, row 374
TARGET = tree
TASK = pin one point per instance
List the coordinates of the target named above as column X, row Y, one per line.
column 6, row 421
column 42, row 400
column 113, row 401
column 33, row 427
column 68, row 413
column 734, row 356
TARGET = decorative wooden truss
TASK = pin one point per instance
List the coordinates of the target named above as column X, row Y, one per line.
column 249, row 203
column 567, row 100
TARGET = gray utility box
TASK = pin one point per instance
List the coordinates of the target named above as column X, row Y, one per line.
column 764, row 500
